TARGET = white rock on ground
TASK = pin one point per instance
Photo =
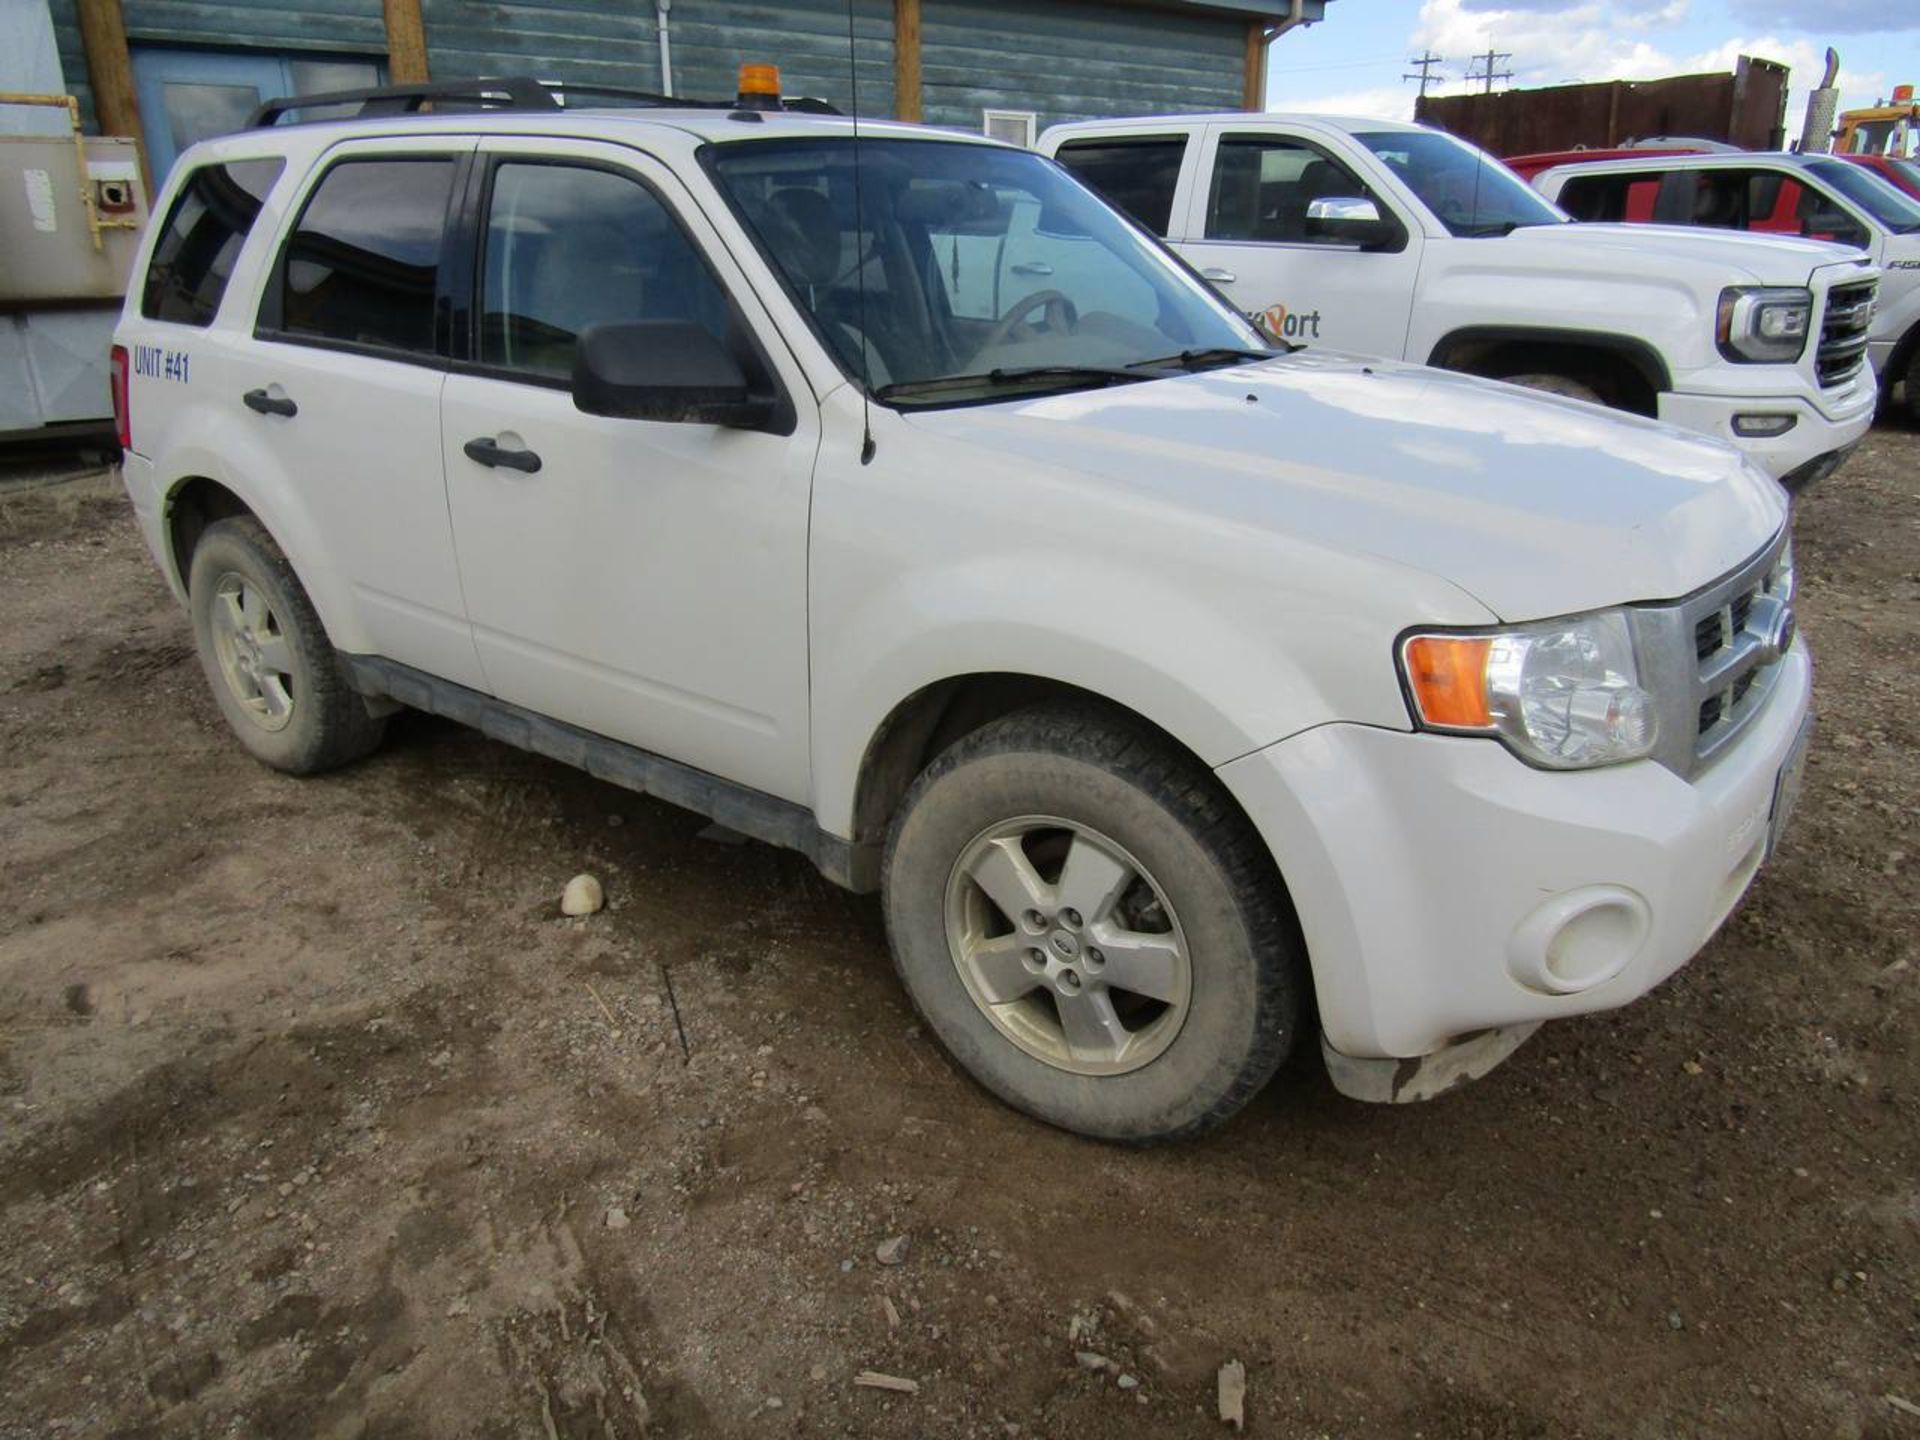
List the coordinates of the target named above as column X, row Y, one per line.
column 583, row 896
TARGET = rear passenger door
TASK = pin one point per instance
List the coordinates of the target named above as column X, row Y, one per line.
column 342, row 387
column 647, row 581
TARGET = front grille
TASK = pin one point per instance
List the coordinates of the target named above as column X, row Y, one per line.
column 1734, row 673
column 1843, row 332
column 1710, row 659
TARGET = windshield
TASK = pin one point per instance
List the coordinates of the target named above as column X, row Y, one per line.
column 1872, row 194
column 984, row 269
column 1469, row 191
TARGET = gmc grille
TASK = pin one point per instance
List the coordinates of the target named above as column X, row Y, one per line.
column 1843, row 332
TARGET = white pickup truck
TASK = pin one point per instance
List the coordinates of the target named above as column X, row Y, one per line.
column 1389, row 239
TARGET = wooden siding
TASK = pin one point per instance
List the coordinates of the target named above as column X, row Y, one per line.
column 590, row 40
column 1075, row 59
column 339, row 26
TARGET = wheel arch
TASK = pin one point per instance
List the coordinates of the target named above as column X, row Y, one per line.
column 937, row 716
column 1472, row 347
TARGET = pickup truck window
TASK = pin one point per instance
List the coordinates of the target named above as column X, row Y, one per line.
column 203, row 236
column 1611, row 197
column 1264, row 187
column 1763, row 201
column 1878, row 197
column 1139, row 175
column 1468, row 191
column 980, row 265
column 569, row 246
column 361, row 265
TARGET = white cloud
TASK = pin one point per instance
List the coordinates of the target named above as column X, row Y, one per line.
column 1381, row 103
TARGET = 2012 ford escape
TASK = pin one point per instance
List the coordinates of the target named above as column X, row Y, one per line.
column 1175, row 691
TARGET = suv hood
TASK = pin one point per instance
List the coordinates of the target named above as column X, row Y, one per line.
column 1616, row 249
column 1534, row 505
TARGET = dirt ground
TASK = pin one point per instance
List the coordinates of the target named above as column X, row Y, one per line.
column 316, row 1119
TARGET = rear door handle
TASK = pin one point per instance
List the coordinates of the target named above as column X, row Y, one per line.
column 1033, row 267
column 262, row 403
column 1218, row 276
column 485, row 450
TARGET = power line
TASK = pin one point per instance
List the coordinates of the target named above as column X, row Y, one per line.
column 1489, row 63
column 1426, row 76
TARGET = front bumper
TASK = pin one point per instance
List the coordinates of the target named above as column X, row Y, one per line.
column 1432, row 874
column 1815, row 436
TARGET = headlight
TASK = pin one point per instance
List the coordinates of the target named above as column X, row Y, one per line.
column 1763, row 326
column 1564, row 695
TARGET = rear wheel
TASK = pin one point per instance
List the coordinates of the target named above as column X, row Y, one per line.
column 1091, row 928
column 273, row 671
column 1913, row 385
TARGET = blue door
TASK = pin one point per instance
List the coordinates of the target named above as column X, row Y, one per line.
column 189, row 95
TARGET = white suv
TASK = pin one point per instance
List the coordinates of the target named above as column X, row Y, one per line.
column 1387, row 239
column 1173, row 689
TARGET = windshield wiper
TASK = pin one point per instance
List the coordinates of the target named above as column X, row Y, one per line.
column 1207, row 359
column 1017, row 375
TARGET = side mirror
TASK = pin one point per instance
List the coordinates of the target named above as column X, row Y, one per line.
column 667, row 370
column 1350, row 220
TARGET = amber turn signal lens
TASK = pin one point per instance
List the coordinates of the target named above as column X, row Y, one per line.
column 1448, row 676
column 759, row 79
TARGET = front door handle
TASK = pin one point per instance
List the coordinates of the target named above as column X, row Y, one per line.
column 263, row 403
column 1218, row 276
column 485, row 450
column 1033, row 267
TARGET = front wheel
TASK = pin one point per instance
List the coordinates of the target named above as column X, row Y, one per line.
column 1552, row 383
column 1913, row 386
column 1091, row 928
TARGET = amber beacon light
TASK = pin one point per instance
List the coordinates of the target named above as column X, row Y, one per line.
column 759, row 87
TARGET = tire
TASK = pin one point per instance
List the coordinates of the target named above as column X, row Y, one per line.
column 1913, row 386
column 1172, row 881
column 273, row 672
column 1556, row 384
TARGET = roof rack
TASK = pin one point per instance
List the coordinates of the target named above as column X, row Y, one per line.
column 508, row 93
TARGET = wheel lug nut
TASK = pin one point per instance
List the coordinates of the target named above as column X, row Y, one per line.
column 1071, row 918
column 1034, row 920
column 1095, row 959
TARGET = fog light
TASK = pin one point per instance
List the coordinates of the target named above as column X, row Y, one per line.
column 1763, row 427
column 1579, row 939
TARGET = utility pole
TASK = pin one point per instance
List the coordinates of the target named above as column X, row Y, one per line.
column 1490, row 63
column 1426, row 76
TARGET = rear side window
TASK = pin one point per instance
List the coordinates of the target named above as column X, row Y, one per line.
column 1610, row 197
column 1137, row 176
column 204, row 234
column 361, row 265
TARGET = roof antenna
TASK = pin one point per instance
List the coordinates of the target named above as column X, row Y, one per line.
column 860, row 259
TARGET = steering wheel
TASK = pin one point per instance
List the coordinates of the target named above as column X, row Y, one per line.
column 1060, row 315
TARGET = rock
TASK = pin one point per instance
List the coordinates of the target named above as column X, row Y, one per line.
column 617, row 1218
column 818, row 1372
column 894, row 1251
column 1092, row 1360
column 583, row 896
column 1674, row 1320
column 1128, row 1382
column 1233, row 1394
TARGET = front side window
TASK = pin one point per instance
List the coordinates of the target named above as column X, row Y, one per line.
column 362, row 263
column 1610, row 197
column 1880, row 198
column 1138, row 175
column 1468, row 191
column 1264, row 188
column 567, row 247
column 949, row 272
column 202, row 239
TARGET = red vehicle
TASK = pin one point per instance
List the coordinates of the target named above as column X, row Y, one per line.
column 1528, row 166
column 1899, row 173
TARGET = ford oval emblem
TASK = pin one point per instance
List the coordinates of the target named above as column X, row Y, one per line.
column 1778, row 636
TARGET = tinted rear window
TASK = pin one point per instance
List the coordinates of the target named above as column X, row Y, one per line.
column 205, row 231
column 362, row 263
column 1138, row 176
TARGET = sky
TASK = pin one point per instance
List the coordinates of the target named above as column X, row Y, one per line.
column 1351, row 63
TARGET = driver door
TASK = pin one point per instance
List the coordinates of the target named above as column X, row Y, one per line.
column 1266, row 247
column 643, row 580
